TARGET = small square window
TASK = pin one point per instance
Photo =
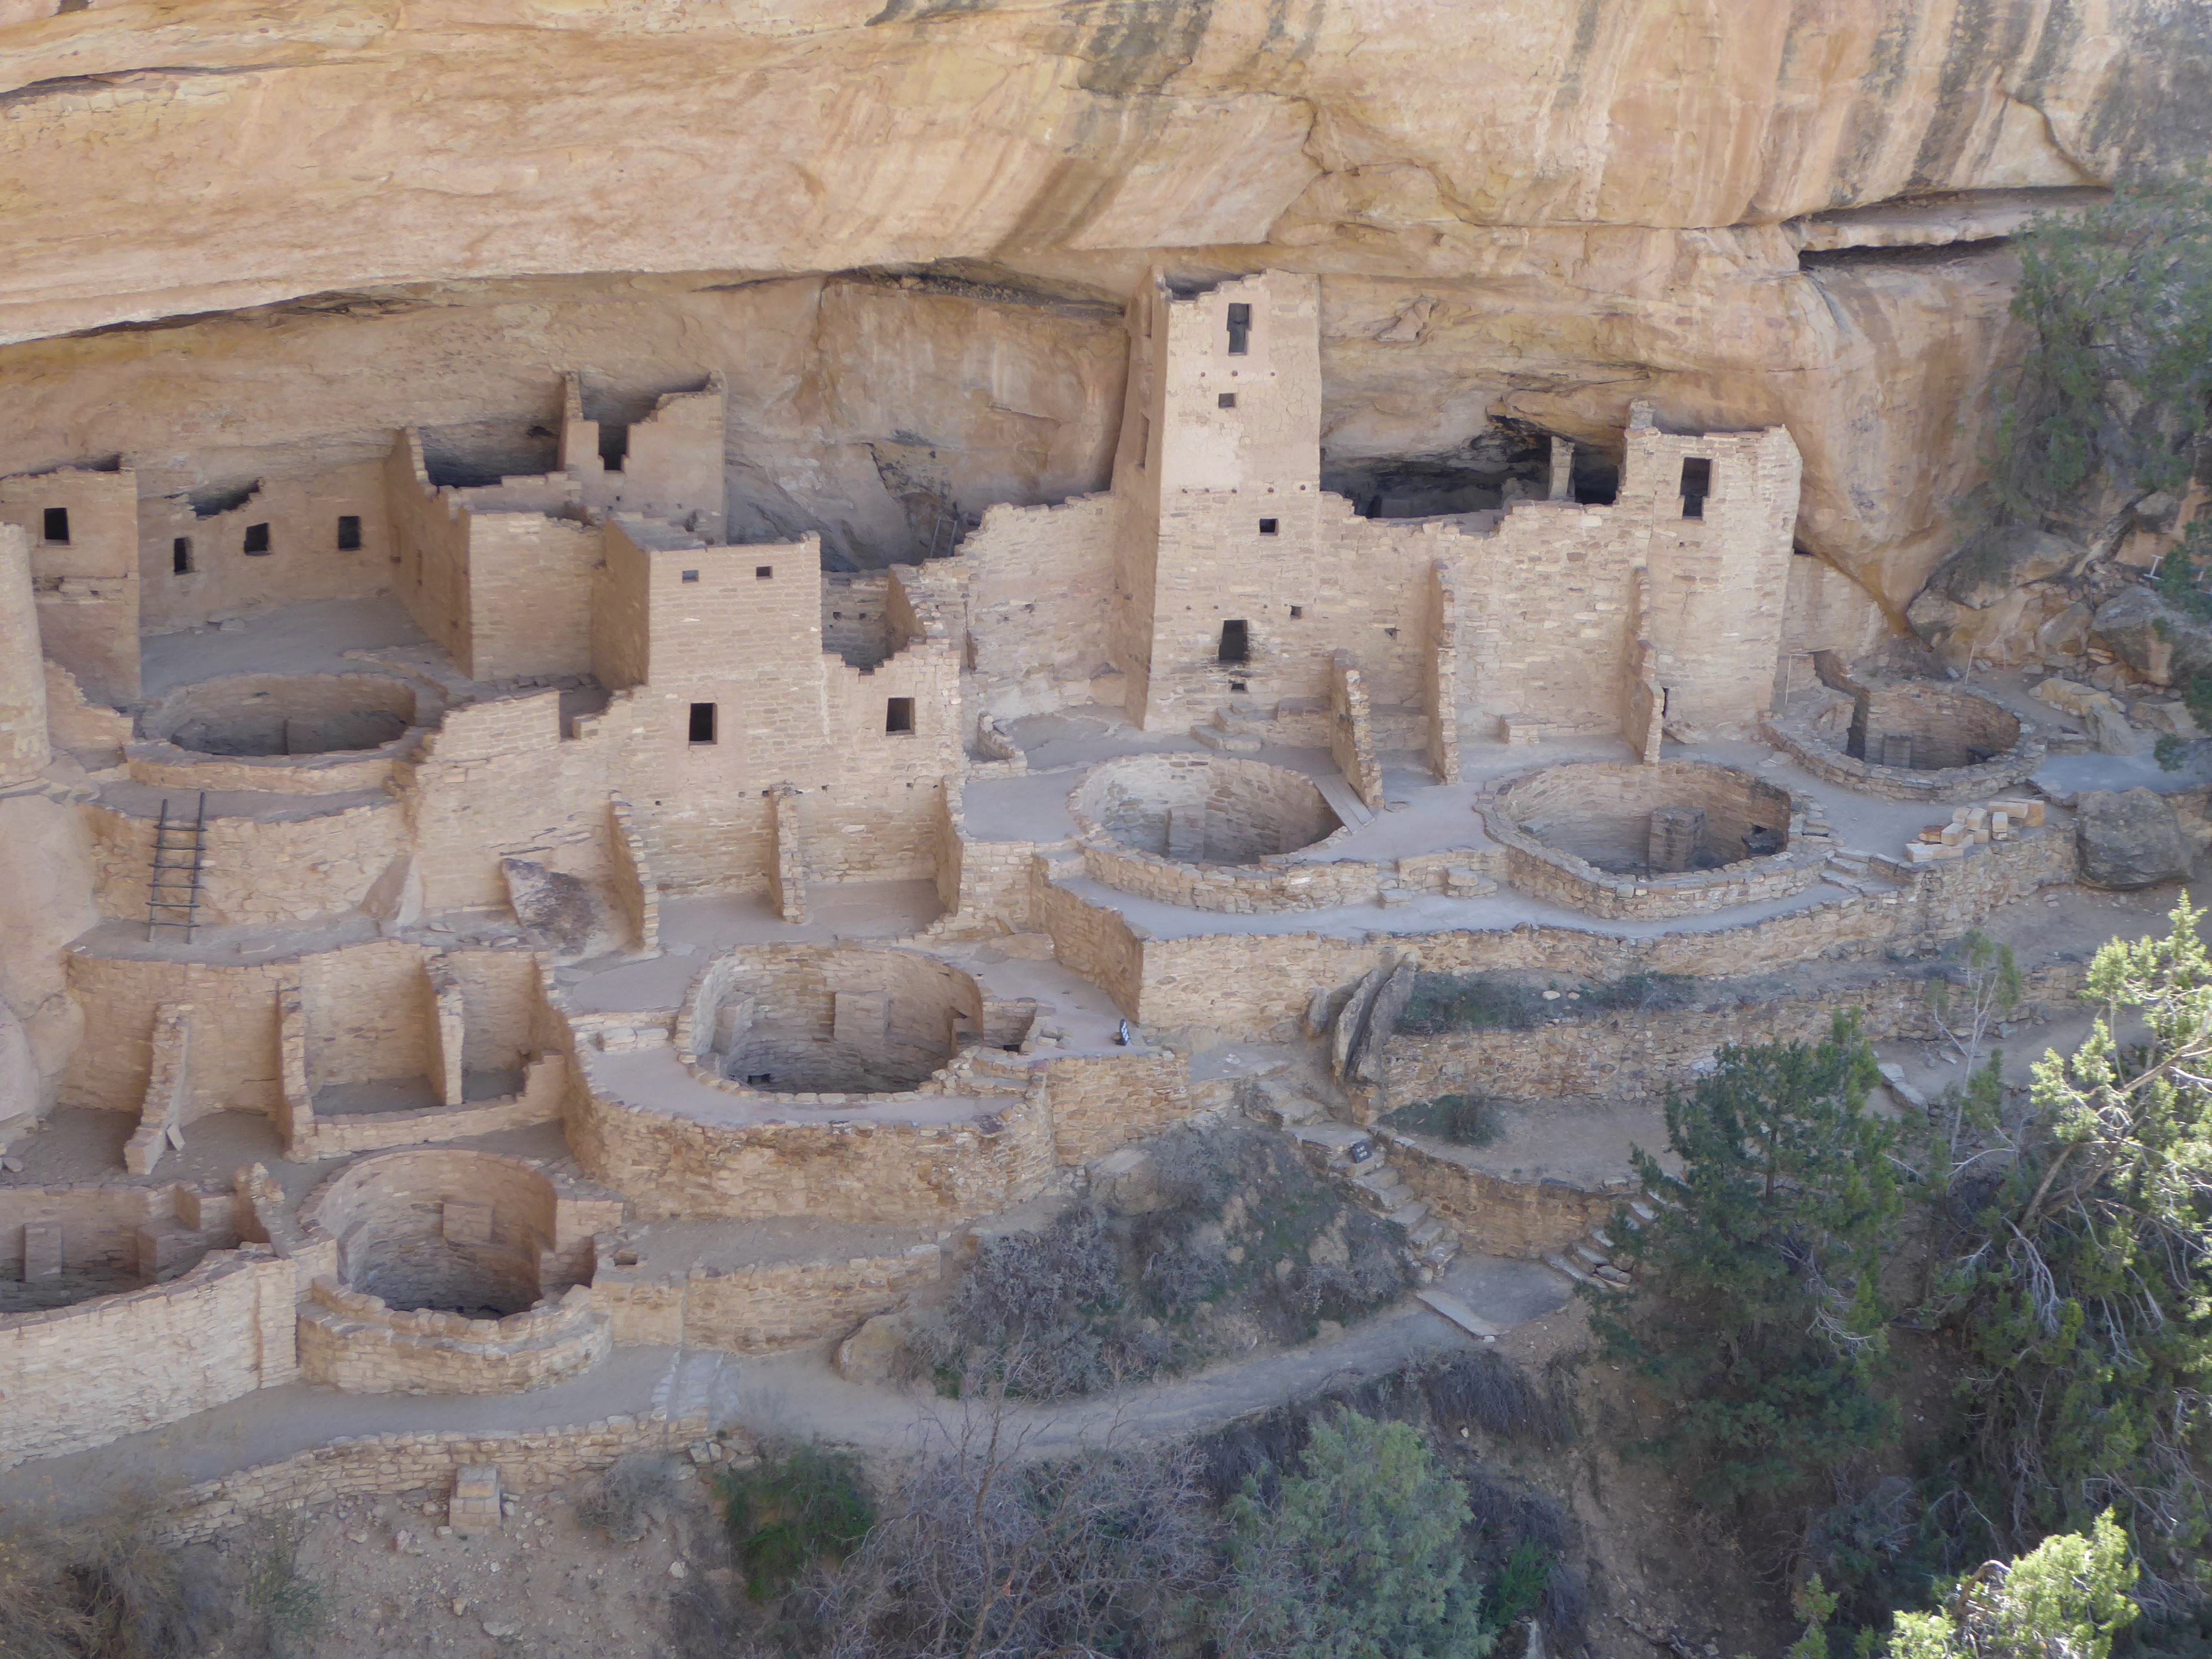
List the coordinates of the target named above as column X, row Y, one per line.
column 702, row 722
column 1238, row 686
column 1297, row 611
column 898, row 714
column 1226, row 400
column 1267, row 527
column 690, row 576
column 57, row 528
column 180, row 556
column 257, row 539
column 763, row 573
column 349, row 532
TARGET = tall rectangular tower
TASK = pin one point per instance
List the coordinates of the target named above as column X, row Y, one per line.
column 1219, row 472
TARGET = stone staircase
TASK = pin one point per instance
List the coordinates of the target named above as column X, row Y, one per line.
column 1358, row 1164
column 1588, row 1260
column 1854, row 873
column 980, row 1069
column 1232, row 731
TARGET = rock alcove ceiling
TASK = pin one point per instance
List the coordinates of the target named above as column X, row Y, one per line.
column 904, row 229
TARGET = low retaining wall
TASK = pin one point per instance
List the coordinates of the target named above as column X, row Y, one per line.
column 1248, row 986
column 527, row 1460
column 898, row 1174
column 751, row 1309
column 353, row 1341
column 1494, row 1214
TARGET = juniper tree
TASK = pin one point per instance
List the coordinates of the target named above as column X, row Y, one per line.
column 1761, row 1318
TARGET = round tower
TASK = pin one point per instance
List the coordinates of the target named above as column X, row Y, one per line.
column 23, row 749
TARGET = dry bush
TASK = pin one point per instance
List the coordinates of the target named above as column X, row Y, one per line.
column 107, row 1589
column 626, row 1489
column 1237, row 1240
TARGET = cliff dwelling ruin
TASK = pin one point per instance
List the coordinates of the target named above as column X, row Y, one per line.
column 553, row 881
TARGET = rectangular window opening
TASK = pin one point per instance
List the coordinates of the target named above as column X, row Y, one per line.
column 1239, row 329
column 690, row 576
column 1267, row 526
column 58, row 524
column 1297, row 611
column 257, row 539
column 1238, row 686
column 898, row 714
column 1226, row 400
column 763, row 573
column 1144, row 440
column 1236, row 642
column 180, row 556
column 702, row 722
column 349, row 532
column 1697, row 484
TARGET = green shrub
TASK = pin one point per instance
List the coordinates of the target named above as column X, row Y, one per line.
column 1640, row 992
column 790, row 1511
column 1359, row 1555
column 1462, row 1120
column 1442, row 1003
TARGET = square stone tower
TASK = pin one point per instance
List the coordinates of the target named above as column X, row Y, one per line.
column 1219, row 467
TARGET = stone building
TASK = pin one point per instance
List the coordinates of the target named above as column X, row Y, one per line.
column 394, row 824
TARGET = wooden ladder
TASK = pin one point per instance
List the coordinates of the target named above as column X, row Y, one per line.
column 175, row 884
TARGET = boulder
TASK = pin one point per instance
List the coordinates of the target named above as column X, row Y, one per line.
column 2158, row 643
column 874, row 1352
column 2129, row 839
column 2100, row 711
column 562, row 913
column 1127, row 1181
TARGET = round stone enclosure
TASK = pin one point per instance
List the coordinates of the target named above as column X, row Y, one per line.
column 1910, row 741
column 456, row 1231
column 1202, row 809
column 282, row 715
column 830, row 1020
column 1659, row 819
column 1652, row 841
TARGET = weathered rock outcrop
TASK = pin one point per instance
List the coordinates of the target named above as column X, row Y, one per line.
column 1537, row 210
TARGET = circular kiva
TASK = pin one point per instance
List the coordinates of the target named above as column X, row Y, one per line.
column 452, row 1230
column 1202, row 809
column 284, row 715
column 1674, row 838
column 831, row 1019
column 1909, row 742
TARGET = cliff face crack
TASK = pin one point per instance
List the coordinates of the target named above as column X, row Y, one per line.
column 110, row 81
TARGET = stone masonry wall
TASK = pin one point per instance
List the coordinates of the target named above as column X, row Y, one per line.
column 1618, row 1057
column 527, row 1460
column 753, row 1309
column 82, row 1376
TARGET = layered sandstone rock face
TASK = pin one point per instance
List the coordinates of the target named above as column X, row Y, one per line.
column 1532, row 208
